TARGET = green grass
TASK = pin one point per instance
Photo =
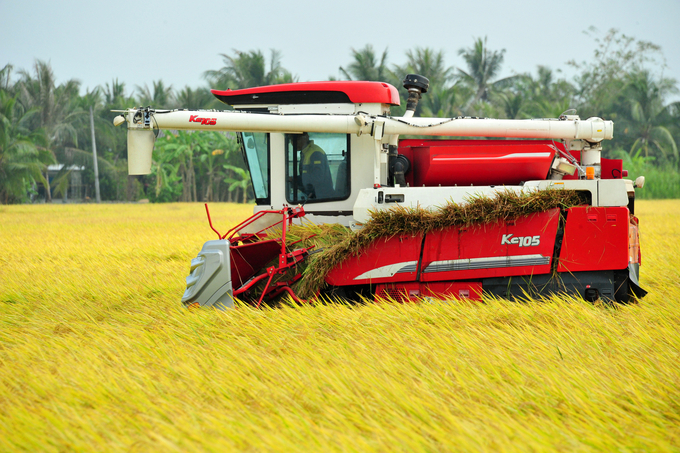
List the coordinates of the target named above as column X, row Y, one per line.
column 662, row 180
column 659, row 183
column 96, row 353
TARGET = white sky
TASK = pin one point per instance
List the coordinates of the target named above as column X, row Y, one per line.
column 138, row 42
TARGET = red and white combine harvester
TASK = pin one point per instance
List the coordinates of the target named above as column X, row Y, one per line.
column 330, row 151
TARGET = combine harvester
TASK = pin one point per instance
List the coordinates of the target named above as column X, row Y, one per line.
column 330, row 152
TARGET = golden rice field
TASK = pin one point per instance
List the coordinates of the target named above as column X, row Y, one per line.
column 96, row 353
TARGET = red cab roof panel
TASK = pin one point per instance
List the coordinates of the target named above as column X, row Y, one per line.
column 353, row 92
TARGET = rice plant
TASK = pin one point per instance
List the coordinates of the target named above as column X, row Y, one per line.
column 97, row 354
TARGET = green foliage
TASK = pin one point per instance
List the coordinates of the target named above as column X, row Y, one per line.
column 238, row 180
column 660, row 181
column 49, row 121
column 367, row 66
column 602, row 78
column 483, row 67
column 199, row 98
column 160, row 97
column 645, row 119
column 179, row 157
column 442, row 99
column 249, row 69
column 57, row 104
column 23, row 156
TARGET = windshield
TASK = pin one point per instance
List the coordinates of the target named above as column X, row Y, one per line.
column 256, row 152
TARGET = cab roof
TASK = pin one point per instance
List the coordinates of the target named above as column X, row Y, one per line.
column 342, row 92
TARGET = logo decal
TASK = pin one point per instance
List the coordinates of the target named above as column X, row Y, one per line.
column 206, row 121
column 522, row 241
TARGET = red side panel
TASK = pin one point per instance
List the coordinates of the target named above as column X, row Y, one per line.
column 521, row 247
column 404, row 292
column 595, row 239
column 611, row 168
column 478, row 162
column 459, row 290
column 391, row 260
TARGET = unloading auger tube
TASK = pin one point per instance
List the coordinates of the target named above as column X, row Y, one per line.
column 142, row 122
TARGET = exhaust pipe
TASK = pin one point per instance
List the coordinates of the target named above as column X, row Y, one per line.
column 397, row 164
column 416, row 85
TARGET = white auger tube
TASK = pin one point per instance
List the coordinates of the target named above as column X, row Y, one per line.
column 141, row 123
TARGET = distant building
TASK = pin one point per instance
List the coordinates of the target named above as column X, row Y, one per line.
column 75, row 190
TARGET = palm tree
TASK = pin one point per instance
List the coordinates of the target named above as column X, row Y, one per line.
column 444, row 102
column 5, row 78
column 23, row 156
column 366, row 66
column 513, row 104
column 483, row 66
column 114, row 95
column 545, row 96
column 440, row 98
column 56, row 104
column 428, row 62
column 162, row 97
column 112, row 141
column 547, row 108
column 200, row 98
column 114, row 98
column 646, row 119
column 249, row 69
column 57, row 107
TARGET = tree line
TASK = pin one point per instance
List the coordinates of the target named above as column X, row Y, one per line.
column 43, row 123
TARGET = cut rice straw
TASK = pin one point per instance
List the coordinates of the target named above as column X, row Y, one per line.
column 335, row 243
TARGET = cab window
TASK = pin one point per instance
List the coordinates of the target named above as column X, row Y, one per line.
column 255, row 148
column 317, row 167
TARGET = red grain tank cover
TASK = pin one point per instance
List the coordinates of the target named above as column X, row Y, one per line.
column 341, row 92
column 478, row 162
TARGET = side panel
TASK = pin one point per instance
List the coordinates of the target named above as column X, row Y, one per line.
column 609, row 285
column 404, row 292
column 595, row 239
column 519, row 247
column 390, row 260
column 610, row 168
column 478, row 162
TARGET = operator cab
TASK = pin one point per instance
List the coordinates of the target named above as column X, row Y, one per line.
column 323, row 171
